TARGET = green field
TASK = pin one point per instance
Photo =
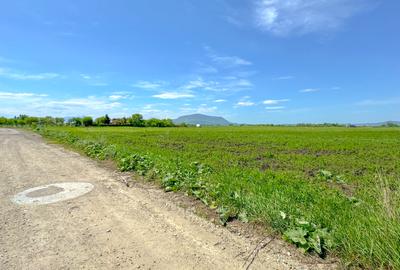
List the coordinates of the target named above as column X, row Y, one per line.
column 326, row 189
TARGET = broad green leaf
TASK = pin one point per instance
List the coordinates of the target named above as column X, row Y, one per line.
column 296, row 235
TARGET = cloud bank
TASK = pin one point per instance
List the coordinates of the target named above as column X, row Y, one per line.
column 286, row 17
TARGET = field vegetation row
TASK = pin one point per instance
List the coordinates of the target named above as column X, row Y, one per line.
column 136, row 120
column 328, row 190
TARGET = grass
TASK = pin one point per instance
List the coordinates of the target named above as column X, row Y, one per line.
column 327, row 190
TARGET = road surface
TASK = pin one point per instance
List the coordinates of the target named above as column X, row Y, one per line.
column 112, row 226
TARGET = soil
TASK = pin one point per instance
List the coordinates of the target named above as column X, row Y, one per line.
column 115, row 226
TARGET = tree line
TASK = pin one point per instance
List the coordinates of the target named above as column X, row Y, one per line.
column 136, row 120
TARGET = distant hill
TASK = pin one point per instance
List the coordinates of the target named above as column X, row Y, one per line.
column 379, row 124
column 204, row 120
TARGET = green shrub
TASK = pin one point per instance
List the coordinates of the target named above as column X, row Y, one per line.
column 309, row 237
column 135, row 162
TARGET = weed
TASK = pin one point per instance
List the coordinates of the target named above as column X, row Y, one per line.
column 330, row 177
column 307, row 236
column 135, row 162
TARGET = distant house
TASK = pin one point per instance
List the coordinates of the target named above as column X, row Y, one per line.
column 119, row 122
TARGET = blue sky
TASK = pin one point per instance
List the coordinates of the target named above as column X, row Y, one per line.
column 254, row 61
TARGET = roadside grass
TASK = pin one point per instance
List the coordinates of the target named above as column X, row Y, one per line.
column 326, row 190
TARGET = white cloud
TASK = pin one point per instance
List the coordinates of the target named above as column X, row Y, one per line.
column 117, row 97
column 230, row 61
column 14, row 103
column 267, row 15
column 206, row 109
column 202, row 108
column 93, row 80
column 173, row 95
column 245, row 73
column 208, row 69
column 6, row 73
column 98, row 84
column 156, row 110
column 149, row 109
column 226, row 61
column 147, row 85
column 149, row 106
column 243, row 83
column 228, row 83
column 92, row 103
column 379, row 102
column 273, row 108
column 245, row 103
column 274, row 101
column 120, row 95
column 309, row 90
column 285, row 17
column 219, row 100
column 86, row 76
column 200, row 83
column 14, row 95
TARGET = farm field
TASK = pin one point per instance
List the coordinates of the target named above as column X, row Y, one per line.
column 328, row 190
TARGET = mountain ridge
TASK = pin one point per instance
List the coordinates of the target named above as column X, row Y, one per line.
column 377, row 124
column 201, row 119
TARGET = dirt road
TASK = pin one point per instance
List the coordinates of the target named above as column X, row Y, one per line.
column 112, row 226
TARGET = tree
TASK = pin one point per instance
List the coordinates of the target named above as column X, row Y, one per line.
column 59, row 121
column 48, row 121
column 31, row 120
column 87, row 121
column 154, row 122
column 76, row 121
column 107, row 120
column 3, row 121
column 168, row 122
column 136, row 120
column 101, row 121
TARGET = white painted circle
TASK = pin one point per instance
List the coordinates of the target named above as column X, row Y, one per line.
column 69, row 190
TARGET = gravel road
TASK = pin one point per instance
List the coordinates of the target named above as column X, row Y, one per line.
column 112, row 226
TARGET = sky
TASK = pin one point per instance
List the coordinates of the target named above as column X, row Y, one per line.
column 254, row 61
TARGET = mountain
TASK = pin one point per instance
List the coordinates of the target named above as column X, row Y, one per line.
column 204, row 120
column 379, row 124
